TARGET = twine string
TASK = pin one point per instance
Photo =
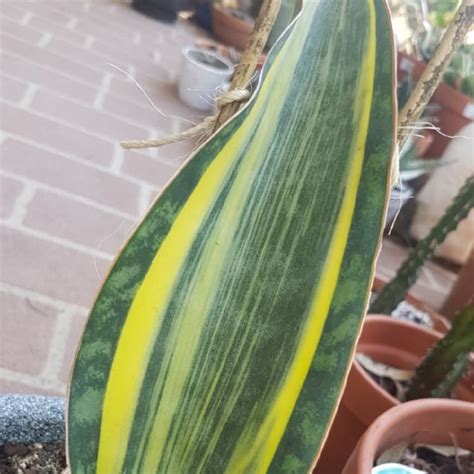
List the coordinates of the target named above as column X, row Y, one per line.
column 235, row 95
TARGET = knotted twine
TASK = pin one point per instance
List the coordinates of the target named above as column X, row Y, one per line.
column 206, row 126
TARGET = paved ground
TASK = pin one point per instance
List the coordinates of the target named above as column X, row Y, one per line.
column 69, row 193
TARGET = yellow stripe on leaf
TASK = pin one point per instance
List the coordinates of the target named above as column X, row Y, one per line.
column 263, row 446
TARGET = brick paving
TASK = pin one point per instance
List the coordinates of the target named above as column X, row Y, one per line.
column 69, row 193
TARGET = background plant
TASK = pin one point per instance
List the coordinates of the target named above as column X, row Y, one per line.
column 395, row 291
column 447, row 361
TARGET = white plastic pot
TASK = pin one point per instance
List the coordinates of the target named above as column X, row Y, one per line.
column 393, row 468
column 203, row 73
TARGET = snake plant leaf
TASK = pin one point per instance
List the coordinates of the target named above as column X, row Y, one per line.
column 221, row 339
column 289, row 9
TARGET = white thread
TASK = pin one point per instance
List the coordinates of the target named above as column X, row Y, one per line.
column 236, row 95
column 147, row 97
column 102, row 242
column 431, row 126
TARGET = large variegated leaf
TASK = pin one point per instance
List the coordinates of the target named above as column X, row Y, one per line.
column 220, row 340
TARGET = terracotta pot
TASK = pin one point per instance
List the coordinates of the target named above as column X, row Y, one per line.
column 440, row 323
column 229, row 29
column 456, row 110
column 393, row 342
column 433, row 421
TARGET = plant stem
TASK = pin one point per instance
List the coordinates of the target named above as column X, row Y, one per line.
column 446, row 362
column 433, row 74
column 395, row 291
column 250, row 57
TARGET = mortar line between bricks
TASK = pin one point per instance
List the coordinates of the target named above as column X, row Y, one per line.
column 26, row 18
column 45, row 39
column 79, row 80
column 76, row 159
column 77, row 62
column 90, row 39
column 57, row 240
column 29, row 96
column 57, row 344
column 69, row 195
column 96, row 104
column 88, row 42
column 69, row 124
column 72, row 23
column 117, row 25
column 21, row 204
column 60, row 305
column 103, row 89
column 117, row 160
column 32, row 380
column 144, row 199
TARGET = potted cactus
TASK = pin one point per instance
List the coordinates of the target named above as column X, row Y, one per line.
column 389, row 296
column 440, row 420
column 393, row 293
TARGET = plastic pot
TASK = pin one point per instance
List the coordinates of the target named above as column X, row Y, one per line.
column 433, row 421
column 203, row 72
column 393, row 342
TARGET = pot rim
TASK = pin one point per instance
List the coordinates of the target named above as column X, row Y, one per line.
column 383, row 399
column 31, row 418
column 387, row 321
column 376, row 438
column 188, row 55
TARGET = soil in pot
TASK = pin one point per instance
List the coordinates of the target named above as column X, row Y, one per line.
column 391, row 379
column 33, row 458
column 424, row 434
column 394, row 343
column 415, row 311
column 432, row 459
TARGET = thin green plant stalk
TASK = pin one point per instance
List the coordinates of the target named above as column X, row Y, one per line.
column 447, row 361
column 395, row 291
